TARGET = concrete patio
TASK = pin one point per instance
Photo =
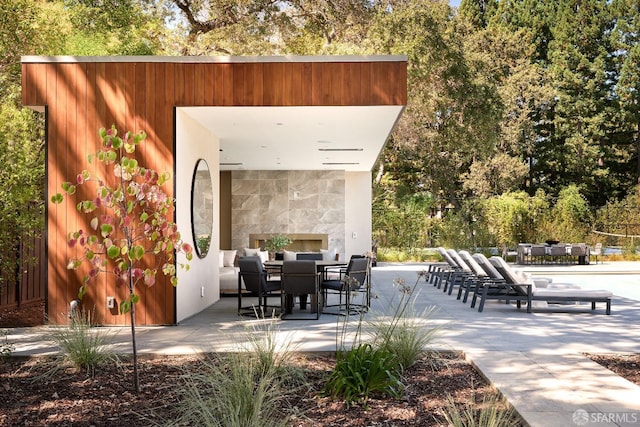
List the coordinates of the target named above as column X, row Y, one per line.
column 536, row 360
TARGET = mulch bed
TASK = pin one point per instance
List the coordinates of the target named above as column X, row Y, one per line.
column 32, row 396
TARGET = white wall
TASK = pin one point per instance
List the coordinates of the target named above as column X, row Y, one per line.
column 358, row 217
column 194, row 142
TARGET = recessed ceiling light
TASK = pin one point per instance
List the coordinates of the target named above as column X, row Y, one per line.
column 231, row 164
column 323, row 141
column 339, row 163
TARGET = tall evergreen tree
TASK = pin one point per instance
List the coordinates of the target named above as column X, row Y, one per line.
column 537, row 17
column 478, row 12
column 580, row 67
column 624, row 139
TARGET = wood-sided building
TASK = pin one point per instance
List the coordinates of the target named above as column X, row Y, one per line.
column 175, row 101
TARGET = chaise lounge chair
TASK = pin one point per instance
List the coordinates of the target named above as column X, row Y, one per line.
column 480, row 277
column 447, row 274
column 555, row 294
column 501, row 289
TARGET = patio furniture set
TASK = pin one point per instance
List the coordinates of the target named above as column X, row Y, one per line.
column 557, row 253
column 492, row 278
column 305, row 276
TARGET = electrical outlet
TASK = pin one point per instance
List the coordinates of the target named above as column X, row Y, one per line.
column 111, row 302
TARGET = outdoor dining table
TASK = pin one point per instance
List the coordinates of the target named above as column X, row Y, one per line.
column 321, row 267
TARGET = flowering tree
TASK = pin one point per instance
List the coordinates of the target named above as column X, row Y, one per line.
column 129, row 220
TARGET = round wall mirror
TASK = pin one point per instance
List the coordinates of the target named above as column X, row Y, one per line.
column 202, row 208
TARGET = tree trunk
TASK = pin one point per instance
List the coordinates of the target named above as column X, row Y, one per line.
column 132, row 314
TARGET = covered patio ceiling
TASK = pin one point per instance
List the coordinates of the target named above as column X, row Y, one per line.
column 298, row 138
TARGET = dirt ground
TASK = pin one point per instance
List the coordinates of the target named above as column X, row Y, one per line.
column 33, row 396
column 28, row 315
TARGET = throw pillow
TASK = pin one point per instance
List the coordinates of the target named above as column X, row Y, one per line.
column 328, row 254
column 229, row 258
column 264, row 256
column 289, row 255
column 251, row 252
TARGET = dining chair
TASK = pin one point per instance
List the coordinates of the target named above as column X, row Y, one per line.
column 352, row 281
column 256, row 283
column 597, row 252
column 300, row 278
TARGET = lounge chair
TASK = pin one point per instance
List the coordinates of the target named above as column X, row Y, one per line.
column 443, row 272
column 554, row 294
column 480, row 277
column 500, row 289
column 462, row 271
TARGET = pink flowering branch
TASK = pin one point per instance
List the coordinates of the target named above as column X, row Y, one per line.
column 130, row 234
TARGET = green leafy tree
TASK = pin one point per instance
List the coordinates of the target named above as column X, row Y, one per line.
column 27, row 27
column 131, row 236
column 516, row 217
column 259, row 27
column 451, row 117
column 112, row 27
column 571, row 217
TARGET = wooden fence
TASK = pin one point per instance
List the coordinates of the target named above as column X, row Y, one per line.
column 25, row 284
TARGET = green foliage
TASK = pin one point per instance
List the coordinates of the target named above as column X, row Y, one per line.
column 82, row 344
column 618, row 219
column 406, row 335
column 571, row 217
column 203, row 242
column 110, row 28
column 402, row 221
column 245, row 388
column 409, row 254
column 516, row 217
column 276, row 243
column 493, row 411
column 362, row 371
column 272, row 354
column 375, row 364
column 232, row 391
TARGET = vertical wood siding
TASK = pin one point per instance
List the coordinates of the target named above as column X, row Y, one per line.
column 81, row 97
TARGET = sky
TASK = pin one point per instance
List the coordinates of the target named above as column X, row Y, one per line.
column 455, row 3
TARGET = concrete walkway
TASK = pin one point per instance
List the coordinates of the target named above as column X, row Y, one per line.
column 536, row 360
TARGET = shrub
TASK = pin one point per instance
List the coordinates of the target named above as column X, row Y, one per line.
column 247, row 388
column 232, row 391
column 492, row 412
column 376, row 364
column 83, row 345
column 408, row 336
column 362, row 370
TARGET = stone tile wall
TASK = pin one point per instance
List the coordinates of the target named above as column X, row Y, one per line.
column 288, row 202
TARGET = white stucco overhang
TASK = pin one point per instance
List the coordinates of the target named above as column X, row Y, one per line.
column 298, row 138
